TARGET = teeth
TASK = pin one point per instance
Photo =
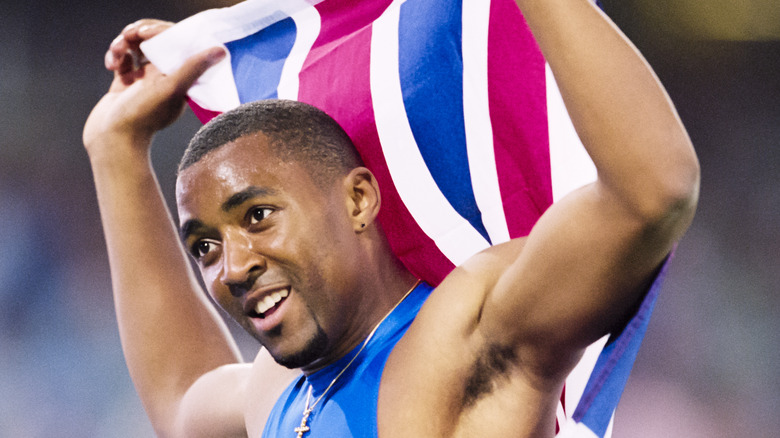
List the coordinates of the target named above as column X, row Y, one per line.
column 264, row 304
column 270, row 301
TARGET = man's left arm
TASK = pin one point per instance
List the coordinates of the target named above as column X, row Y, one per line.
column 588, row 260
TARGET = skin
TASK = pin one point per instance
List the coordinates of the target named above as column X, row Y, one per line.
column 490, row 349
column 289, row 234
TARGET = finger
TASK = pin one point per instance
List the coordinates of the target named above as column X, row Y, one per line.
column 152, row 28
column 116, row 52
column 126, row 64
column 195, row 66
column 141, row 30
column 127, row 43
column 127, row 73
column 131, row 30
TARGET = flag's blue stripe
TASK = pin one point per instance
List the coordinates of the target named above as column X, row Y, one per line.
column 609, row 376
column 258, row 60
column 431, row 70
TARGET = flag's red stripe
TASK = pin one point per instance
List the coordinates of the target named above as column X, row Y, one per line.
column 203, row 114
column 563, row 404
column 518, row 109
column 336, row 78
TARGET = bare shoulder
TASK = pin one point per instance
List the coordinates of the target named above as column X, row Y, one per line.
column 265, row 383
column 233, row 400
column 213, row 405
column 453, row 310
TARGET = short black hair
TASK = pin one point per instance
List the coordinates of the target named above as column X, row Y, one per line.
column 296, row 131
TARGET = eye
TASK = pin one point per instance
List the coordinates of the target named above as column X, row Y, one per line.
column 202, row 248
column 257, row 214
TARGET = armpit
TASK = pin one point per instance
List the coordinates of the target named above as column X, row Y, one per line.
column 490, row 370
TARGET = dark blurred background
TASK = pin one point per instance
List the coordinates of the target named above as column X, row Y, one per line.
column 709, row 364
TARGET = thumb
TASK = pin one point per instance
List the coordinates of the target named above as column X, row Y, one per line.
column 195, row 66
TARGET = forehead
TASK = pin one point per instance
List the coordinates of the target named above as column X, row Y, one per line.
column 249, row 161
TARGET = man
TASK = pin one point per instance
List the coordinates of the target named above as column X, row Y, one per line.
column 293, row 252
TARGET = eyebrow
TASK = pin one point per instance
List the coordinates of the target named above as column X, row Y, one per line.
column 190, row 227
column 193, row 226
column 245, row 195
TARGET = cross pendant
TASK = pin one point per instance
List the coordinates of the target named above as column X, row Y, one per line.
column 303, row 428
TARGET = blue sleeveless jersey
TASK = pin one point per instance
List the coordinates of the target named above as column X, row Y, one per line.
column 349, row 408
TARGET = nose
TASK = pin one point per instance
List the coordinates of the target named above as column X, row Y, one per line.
column 241, row 265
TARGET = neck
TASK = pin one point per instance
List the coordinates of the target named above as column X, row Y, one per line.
column 380, row 291
column 379, row 283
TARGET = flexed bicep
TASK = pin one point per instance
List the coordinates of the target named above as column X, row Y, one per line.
column 587, row 261
column 578, row 276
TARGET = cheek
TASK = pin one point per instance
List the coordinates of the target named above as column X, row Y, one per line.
column 218, row 292
column 220, row 297
column 229, row 304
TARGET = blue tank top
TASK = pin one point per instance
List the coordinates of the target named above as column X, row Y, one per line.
column 349, row 408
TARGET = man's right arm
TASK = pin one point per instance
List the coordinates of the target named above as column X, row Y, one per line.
column 171, row 335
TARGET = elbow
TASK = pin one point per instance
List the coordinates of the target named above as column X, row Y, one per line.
column 676, row 194
column 683, row 198
column 667, row 193
column 685, row 192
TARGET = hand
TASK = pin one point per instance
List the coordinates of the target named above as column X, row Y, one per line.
column 142, row 100
column 124, row 53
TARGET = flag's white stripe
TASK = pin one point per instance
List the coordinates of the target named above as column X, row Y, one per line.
column 216, row 89
column 249, row 17
column 571, row 168
column 307, row 28
column 476, row 113
column 570, row 165
column 451, row 233
column 578, row 377
column 608, row 433
column 560, row 414
column 572, row 429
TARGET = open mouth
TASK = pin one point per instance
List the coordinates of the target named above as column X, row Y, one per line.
column 270, row 303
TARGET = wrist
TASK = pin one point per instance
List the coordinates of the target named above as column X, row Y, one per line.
column 119, row 151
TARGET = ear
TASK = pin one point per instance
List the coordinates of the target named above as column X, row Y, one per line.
column 363, row 198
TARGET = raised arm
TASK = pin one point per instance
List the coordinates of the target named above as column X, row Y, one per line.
column 171, row 335
column 588, row 261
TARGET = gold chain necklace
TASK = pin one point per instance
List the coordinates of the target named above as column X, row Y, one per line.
column 303, row 428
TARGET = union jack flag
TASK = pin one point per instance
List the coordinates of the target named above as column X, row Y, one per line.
column 450, row 104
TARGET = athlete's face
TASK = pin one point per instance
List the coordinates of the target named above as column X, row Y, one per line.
column 275, row 250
